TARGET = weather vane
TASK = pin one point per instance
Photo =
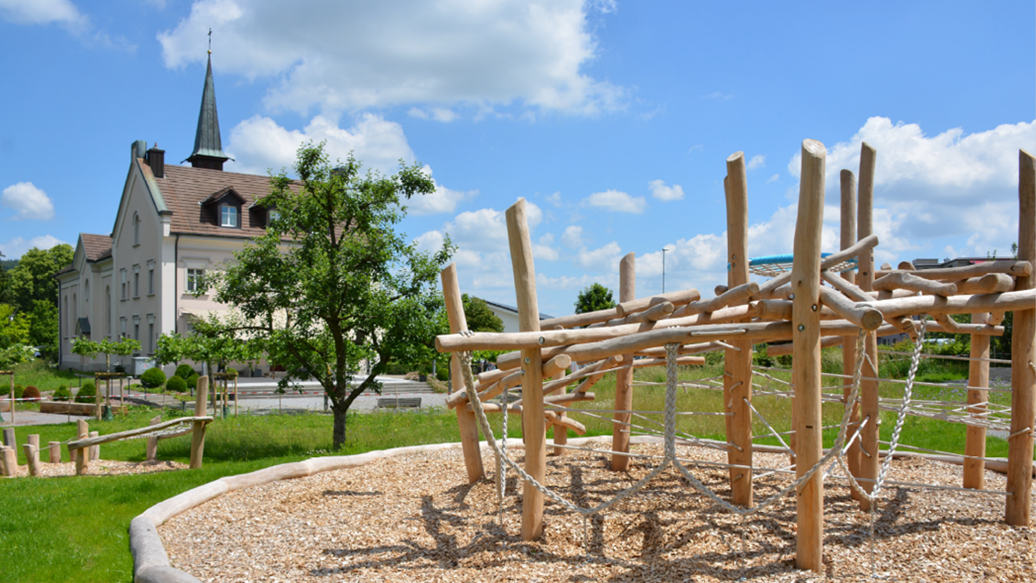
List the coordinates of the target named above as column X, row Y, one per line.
column 210, row 41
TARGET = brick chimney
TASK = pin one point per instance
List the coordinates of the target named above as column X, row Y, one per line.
column 156, row 159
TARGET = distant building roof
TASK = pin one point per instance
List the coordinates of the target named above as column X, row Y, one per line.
column 513, row 309
column 958, row 262
column 96, row 246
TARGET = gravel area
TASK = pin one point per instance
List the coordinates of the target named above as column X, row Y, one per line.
column 101, row 467
column 413, row 518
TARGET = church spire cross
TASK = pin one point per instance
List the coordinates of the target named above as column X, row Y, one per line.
column 208, row 147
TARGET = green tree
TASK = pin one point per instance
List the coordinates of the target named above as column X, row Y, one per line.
column 6, row 293
column 33, row 278
column 348, row 295
column 43, row 328
column 594, row 297
column 14, row 327
column 479, row 317
column 90, row 349
column 214, row 342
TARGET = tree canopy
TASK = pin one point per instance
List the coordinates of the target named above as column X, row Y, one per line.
column 334, row 291
column 594, row 297
column 29, row 292
column 479, row 317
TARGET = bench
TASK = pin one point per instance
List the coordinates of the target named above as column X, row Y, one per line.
column 399, row 402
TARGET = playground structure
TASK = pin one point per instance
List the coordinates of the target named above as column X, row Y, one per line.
column 852, row 310
column 86, row 446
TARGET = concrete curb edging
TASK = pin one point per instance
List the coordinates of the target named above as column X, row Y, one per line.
column 150, row 562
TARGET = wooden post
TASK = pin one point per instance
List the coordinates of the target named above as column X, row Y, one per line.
column 11, row 395
column 737, row 361
column 34, row 441
column 465, row 419
column 978, row 376
column 95, row 450
column 55, row 452
column 9, row 437
column 869, row 410
column 624, row 376
column 82, row 455
column 1023, row 358
column 235, row 396
column 198, row 434
column 10, row 462
column 152, row 442
column 533, row 425
column 98, row 397
column 560, row 431
column 805, row 284
column 32, row 458
column 848, row 227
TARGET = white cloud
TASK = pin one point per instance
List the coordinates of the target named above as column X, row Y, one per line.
column 378, row 54
column 442, row 200
column 573, row 236
column 442, row 114
column 948, row 185
column 563, row 282
column 774, row 178
column 604, row 258
column 42, row 12
column 28, row 201
column 665, row 193
column 616, row 201
column 258, row 143
column 17, row 246
column 757, row 161
column 554, row 199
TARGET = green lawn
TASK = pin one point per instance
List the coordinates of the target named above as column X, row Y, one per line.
column 65, row 529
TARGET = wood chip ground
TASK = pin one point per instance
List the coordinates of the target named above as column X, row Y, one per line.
column 102, row 468
column 414, row 519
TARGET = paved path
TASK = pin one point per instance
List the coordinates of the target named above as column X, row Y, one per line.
column 35, row 418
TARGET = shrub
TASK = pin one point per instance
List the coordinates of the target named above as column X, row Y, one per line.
column 31, row 392
column 438, row 386
column 62, row 394
column 87, row 393
column 152, row 378
column 184, row 371
column 120, row 368
column 176, row 384
column 18, row 391
column 232, row 372
column 192, row 381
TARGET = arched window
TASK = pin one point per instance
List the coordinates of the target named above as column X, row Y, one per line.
column 75, row 314
column 66, row 315
column 136, row 229
column 86, row 291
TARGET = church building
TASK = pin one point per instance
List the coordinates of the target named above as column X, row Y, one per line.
column 173, row 223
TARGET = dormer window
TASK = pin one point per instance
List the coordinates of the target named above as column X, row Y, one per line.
column 228, row 216
column 274, row 215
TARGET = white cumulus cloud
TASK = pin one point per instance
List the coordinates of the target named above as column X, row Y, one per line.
column 757, row 161
column 573, row 236
column 42, row 12
column 604, row 258
column 16, row 247
column 665, row 193
column 379, row 54
column 616, row 201
column 27, row 201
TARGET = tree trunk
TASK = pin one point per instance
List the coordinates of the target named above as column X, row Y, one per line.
column 338, row 433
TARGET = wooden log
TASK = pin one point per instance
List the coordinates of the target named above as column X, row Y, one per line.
column 869, row 408
column 696, row 348
column 737, row 360
column 657, row 312
column 82, row 458
column 677, row 298
column 586, row 371
column 32, row 458
column 720, row 289
column 848, row 237
column 55, row 452
column 95, row 450
column 936, row 305
column 550, row 368
column 901, row 280
column 9, row 438
column 97, row 440
column 1020, row 268
column 805, row 282
column 10, row 462
column 623, row 377
column 992, row 283
column 533, row 426
column 573, row 397
column 579, row 320
column 560, row 432
column 151, row 453
column 34, row 441
column 889, row 330
column 975, row 437
column 862, row 315
column 1023, row 358
column 564, row 423
column 738, row 294
column 198, row 434
column 858, row 294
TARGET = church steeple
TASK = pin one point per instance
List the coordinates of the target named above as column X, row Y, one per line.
column 208, row 148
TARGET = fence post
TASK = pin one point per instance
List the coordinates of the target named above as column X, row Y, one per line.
column 82, row 455
column 32, row 459
column 200, row 410
column 55, row 452
column 152, row 442
column 624, row 376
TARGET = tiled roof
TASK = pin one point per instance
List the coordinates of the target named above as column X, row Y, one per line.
column 185, row 189
column 96, row 246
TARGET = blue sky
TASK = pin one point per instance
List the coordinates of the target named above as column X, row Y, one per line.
column 614, row 119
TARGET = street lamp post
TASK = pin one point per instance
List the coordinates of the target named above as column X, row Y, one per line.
column 664, row 249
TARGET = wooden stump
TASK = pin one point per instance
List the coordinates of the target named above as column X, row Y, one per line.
column 10, row 462
column 198, row 434
column 34, row 441
column 32, row 458
column 805, row 282
column 9, row 437
column 82, row 456
column 533, row 424
column 54, row 452
column 95, row 450
column 624, row 376
column 152, row 442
